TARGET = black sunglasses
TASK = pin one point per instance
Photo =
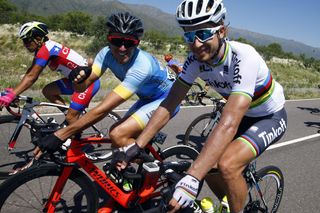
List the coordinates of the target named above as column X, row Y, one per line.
column 27, row 40
column 118, row 41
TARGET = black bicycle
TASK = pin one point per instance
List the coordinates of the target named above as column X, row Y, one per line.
column 25, row 124
column 265, row 189
column 199, row 129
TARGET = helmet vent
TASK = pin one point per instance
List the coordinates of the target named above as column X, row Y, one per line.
column 218, row 9
column 183, row 9
column 199, row 6
column 209, row 6
column 190, row 5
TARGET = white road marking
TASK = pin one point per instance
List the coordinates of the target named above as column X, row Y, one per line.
column 274, row 146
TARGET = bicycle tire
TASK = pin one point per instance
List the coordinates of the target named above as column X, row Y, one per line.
column 16, row 158
column 269, row 178
column 179, row 151
column 199, row 129
column 38, row 182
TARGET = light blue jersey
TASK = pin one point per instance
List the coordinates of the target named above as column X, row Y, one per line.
column 142, row 75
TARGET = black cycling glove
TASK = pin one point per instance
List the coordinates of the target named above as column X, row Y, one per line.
column 126, row 153
column 76, row 71
column 50, row 143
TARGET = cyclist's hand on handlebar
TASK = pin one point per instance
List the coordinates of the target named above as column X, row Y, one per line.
column 121, row 156
column 7, row 96
column 186, row 191
column 49, row 143
column 80, row 74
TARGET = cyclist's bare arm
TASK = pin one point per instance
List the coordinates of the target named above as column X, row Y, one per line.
column 221, row 136
column 163, row 113
column 111, row 101
column 84, row 85
column 28, row 79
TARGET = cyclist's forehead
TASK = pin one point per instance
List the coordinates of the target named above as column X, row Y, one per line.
column 198, row 27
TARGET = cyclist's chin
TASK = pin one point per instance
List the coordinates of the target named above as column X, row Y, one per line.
column 203, row 57
column 122, row 59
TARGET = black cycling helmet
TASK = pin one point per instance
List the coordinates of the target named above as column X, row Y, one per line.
column 33, row 29
column 125, row 23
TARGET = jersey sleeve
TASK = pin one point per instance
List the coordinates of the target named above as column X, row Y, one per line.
column 245, row 73
column 189, row 72
column 99, row 67
column 135, row 77
column 42, row 56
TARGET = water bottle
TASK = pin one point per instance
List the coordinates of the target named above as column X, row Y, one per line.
column 207, row 205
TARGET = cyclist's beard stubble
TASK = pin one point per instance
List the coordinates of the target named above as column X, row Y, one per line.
column 204, row 51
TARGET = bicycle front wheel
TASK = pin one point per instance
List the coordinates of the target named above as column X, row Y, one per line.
column 266, row 196
column 28, row 191
column 199, row 129
column 17, row 157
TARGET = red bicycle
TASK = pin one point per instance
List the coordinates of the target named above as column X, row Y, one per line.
column 65, row 186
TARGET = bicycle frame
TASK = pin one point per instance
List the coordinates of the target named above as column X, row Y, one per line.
column 75, row 156
column 28, row 112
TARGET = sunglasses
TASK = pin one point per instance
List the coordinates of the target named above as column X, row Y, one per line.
column 27, row 40
column 118, row 41
column 203, row 35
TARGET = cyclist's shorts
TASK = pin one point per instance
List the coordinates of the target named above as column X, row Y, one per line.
column 79, row 101
column 142, row 110
column 261, row 132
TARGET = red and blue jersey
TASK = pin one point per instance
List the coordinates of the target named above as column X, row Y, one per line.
column 63, row 59
column 58, row 57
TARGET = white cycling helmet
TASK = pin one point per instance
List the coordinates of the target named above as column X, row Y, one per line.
column 33, row 29
column 195, row 12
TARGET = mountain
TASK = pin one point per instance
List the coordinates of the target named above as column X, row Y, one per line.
column 153, row 18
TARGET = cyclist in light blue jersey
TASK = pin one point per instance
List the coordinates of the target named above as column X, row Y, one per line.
column 139, row 72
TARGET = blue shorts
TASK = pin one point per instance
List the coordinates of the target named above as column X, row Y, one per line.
column 143, row 109
column 261, row 132
column 79, row 101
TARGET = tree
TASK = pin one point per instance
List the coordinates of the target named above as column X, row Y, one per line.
column 77, row 22
column 99, row 31
column 7, row 11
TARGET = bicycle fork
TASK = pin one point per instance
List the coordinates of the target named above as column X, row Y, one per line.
column 55, row 195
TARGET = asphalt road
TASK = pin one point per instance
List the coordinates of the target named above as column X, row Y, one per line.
column 297, row 158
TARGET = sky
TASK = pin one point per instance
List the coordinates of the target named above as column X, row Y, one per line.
column 288, row 19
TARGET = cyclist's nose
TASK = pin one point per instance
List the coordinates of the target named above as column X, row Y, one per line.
column 197, row 42
column 122, row 48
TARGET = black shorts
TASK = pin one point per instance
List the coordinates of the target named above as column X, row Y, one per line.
column 261, row 132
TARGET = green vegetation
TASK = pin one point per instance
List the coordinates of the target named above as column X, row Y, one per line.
column 299, row 75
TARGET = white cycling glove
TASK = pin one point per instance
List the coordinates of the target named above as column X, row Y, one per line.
column 186, row 190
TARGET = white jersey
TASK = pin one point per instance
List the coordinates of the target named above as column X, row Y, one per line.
column 242, row 70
